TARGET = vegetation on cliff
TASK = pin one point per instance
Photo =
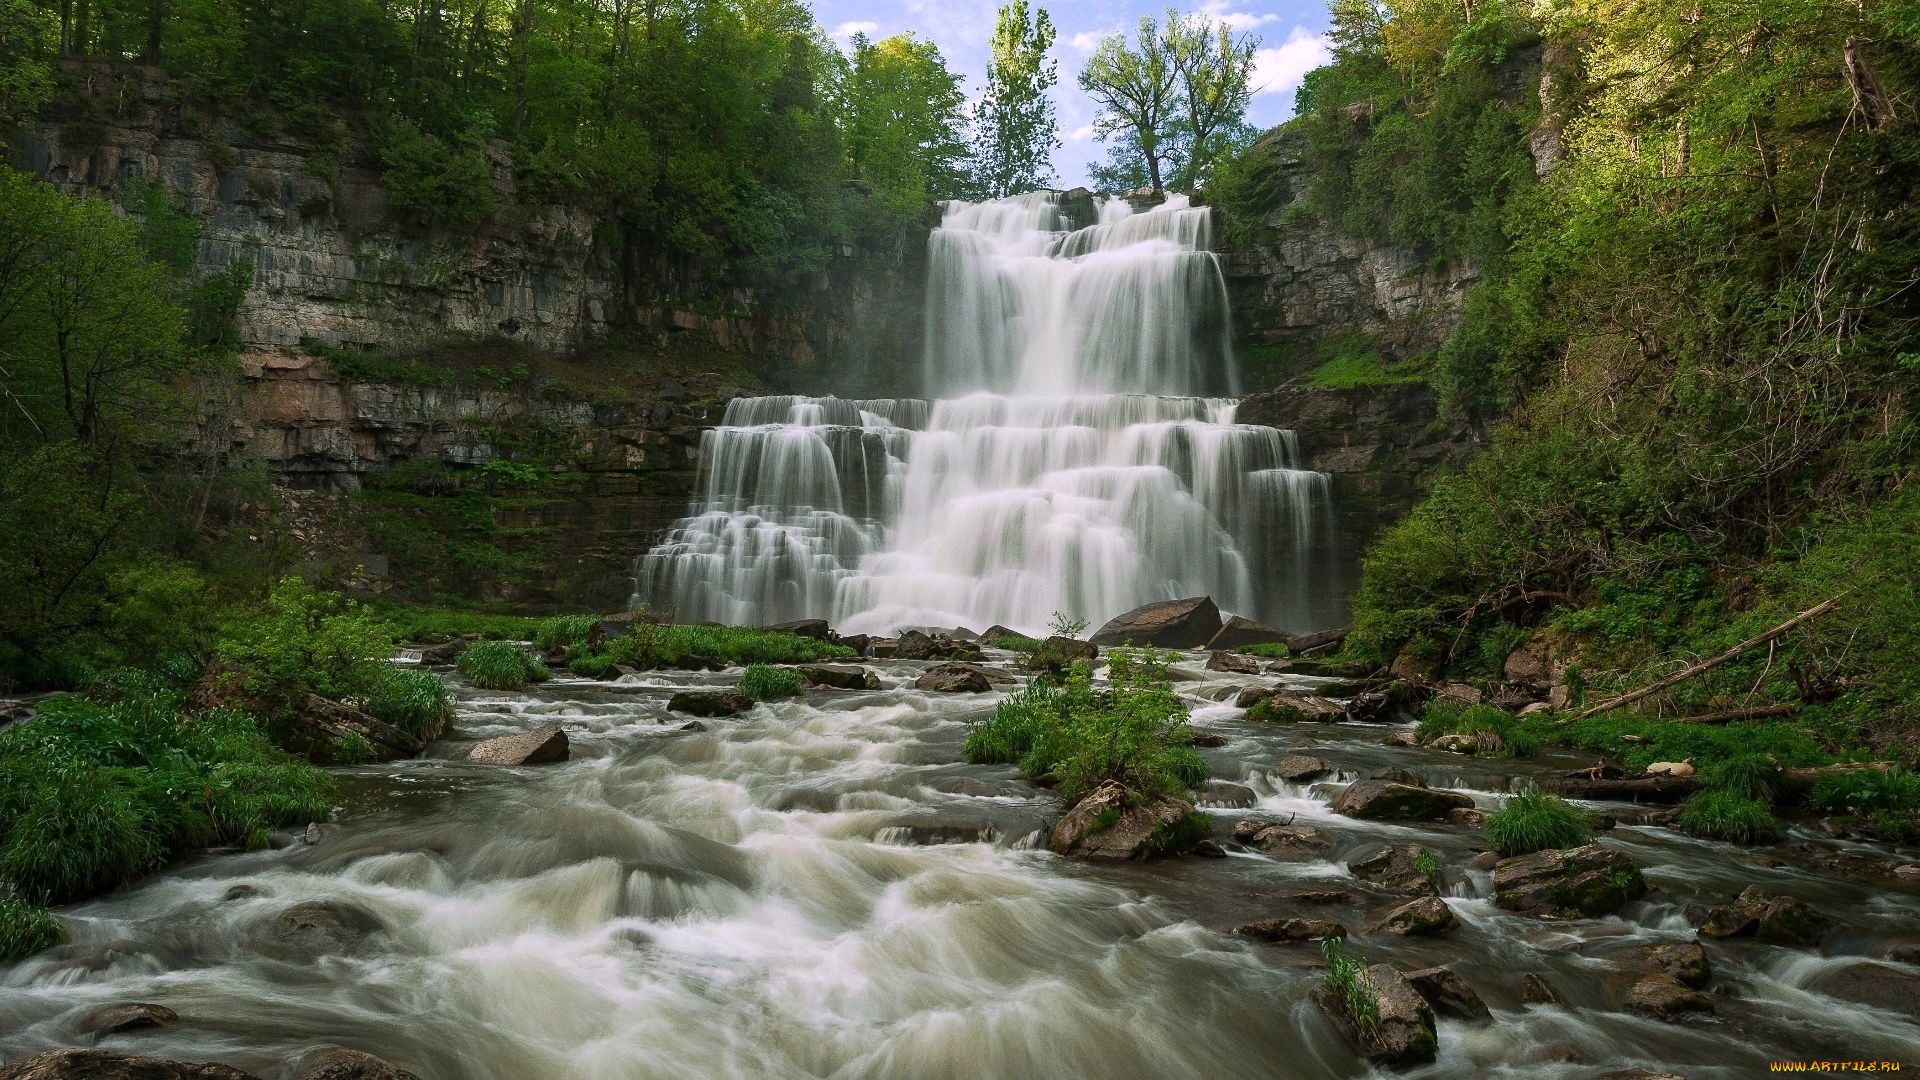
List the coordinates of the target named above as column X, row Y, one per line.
column 1692, row 339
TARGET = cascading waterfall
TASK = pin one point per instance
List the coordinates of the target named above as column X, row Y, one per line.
column 1068, row 463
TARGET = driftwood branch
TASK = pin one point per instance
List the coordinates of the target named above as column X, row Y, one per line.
column 1725, row 716
column 1705, row 665
column 1672, row 789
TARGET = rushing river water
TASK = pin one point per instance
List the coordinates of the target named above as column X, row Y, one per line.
column 762, row 900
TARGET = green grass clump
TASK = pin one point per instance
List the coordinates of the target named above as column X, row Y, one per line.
column 651, row 645
column 411, row 699
column 563, row 630
column 1748, row 775
column 1534, row 821
column 764, row 682
column 1343, row 981
column 1729, row 815
column 1017, row 644
column 1268, row 650
column 1867, row 792
column 96, row 793
column 1500, row 733
column 500, row 665
column 591, row 665
column 1134, row 731
column 442, row 624
column 25, row 929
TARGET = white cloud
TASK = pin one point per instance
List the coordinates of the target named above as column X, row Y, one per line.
column 1081, row 133
column 1279, row 70
column 1239, row 20
column 847, row 29
column 956, row 20
column 1088, row 40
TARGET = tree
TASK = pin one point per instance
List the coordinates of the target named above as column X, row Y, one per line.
column 903, row 121
column 1136, row 91
column 1018, row 131
column 1216, row 82
column 1174, row 103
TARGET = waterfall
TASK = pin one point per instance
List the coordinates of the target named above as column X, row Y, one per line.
column 1070, row 461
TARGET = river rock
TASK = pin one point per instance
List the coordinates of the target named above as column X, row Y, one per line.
column 1233, row 663
column 322, row 727
column 127, row 1016
column 1133, row 834
column 1395, row 868
column 1290, row 928
column 1405, row 739
column 1536, row 990
column 1397, row 775
column 1426, row 915
column 1169, row 624
column 1777, row 920
column 340, row 1063
column 840, row 676
column 1298, row 768
column 1460, row 693
column 1385, row 800
column 857, row 642
column 444, row 655
column 953, row 679
column 1879, row 986
column 316, row 928
column 1528, row 664
column 1205, row 738
column 106, row 1065
column 1240, row 630
column 1581, row 882
column 1402, row 1036
column 996, row 632
column 1447, row 993
column 915, row 645
column 546, row 743
column 1224, row 793
column 1070, row 649
column 816, row 629
column 1467, row 817
column 1664, row 997
column 710, row 702
column 1685, row 961
column 1287, row 707
column 1286, row 841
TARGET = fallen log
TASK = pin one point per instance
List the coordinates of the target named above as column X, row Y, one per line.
column 1660, row 789
column 1705, row 665
column 1300, row 644
column 1802, row 779
column 1727, row 716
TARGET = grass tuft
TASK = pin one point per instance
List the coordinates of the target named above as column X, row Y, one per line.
column 764, row 682
column 500, row 665
column 563, row 630
column 1534, row 821
column 26, row 929
column 1729, row 815
column 411, row 699
column 1343, row 981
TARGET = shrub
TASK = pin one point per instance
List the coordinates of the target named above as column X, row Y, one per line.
column 442, row 624
column 413, row 700
column 500, row 665
column 1749, row 775
column 1064, row 626
column 763, row 682
column 591, row 665
column 1865, row 792
column 1269, row 650
column 1017, row 644
column 1534, row 821
column 1728, row 815
column 1343, row 981
column 1499, row 733
column 25, row 929
column 650, row 645
column 567, row 630
column 300, row 640
column 1134, row 732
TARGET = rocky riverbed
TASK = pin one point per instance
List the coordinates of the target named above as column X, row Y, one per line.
column 823, row 887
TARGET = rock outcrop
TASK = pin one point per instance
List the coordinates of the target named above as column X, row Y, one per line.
column 1101, row 826
column 544, row 744
column 1401, row 1035
column 1580, row 882
column 1168, row 624
column 107, row 1065
column 1388, row 800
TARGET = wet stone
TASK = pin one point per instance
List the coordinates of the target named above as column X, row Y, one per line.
column 1685, row 961
column 710, row 702
column 1396, row 868
column 107, row 1065
column 1536, row 990
column 339, row 1063
column 840, row 676
column 1385, row 800
column 1448, row 993
column 1402, row 1035
column 1581, row 882
column 125, row 1017
column 1225, row 794
column 315, row 928
column 544, row 744
column 1299, row 768
column 1291, row 928
column 1664, row 997
column 1284, row 841
column 1777, row 920
column 1233, row 663
column 1426, row 915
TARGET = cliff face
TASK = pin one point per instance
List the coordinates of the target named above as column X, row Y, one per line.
column 333, row 262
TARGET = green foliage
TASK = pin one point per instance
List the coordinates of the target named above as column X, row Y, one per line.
column 1269, row 650
column 300, row 640
column 1747, row 775
column 28, row 37
column 25, row 929
column 1728, row 815
column 446, row 182
column 564, row 631
column 651, row 645
column 1787, row 743
column 1499, row 732
column 590, row 665
column 94, row 794
column 1064, row 626
column 1133, row 732
column 1886, row 803
column 511, row 473
column 429, row 624
column 1343, row 980
column 500, row 665
column 764, row 682
column 904, row 118
column 1353, row 364
column 410, row 699
column 1017, row 644
column 1427, row 863
column 1534, row 821
column 1018, row 131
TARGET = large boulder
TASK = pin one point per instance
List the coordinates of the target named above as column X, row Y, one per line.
column 1683, row 960
column 1387, row 800
column 1101, row 826
column 1241, row 630
column 1278, row 706
column 329, row 732
column 1406, row 869
column 1284, row 840
column 1288, row 928
column 544, row 744
column 710, row 702
column 915, row 645
column 1070, row 649
column 1401, row 1035
column 1299, row 768
column 127, row 1016
column 107, row 1065
column 445, row 653
column 816, row 629
column 1777, row 920
column 340, row 1063
column 1878, row 986
column 1425, row 915
column 840, row 676
column 1448, row 993
column 1582, row 882
column 953, row 679
column 1169, row 624
column 1233, row 663
column 1663, row 997
column 314, row 928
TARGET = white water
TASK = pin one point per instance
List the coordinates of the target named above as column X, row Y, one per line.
column 1070, row 466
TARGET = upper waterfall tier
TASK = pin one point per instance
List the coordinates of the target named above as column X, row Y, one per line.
column 1134, row 304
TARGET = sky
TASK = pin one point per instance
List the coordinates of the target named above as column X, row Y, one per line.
column 1291, row 32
